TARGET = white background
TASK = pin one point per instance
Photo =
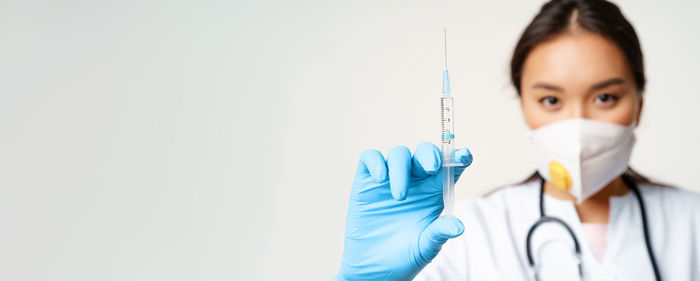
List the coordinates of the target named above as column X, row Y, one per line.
column 217, row 140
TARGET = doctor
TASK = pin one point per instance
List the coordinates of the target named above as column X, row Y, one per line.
column 584, row 215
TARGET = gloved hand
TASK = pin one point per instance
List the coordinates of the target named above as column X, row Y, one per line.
column 393, row 228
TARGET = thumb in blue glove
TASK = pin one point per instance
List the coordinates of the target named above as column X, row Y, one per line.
column 436, row 234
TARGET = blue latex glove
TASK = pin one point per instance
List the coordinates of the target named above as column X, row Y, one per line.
column 393, row 228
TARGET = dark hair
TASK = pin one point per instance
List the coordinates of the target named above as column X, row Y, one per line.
column 598, row 16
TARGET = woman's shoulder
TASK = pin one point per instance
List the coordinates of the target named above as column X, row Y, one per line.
column 507, row 197
column 671, row 197
column 526, row 189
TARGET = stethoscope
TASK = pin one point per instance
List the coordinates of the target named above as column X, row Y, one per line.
column 577, row 248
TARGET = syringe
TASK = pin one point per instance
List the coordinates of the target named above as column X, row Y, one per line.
column 448, row 161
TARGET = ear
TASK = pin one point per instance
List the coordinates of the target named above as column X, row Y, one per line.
column 639, row 108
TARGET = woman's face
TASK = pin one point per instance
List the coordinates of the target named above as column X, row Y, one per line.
column 578, row 75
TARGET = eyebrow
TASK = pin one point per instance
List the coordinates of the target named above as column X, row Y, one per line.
column 543, row 85
column 607, row 83
column 598, row 86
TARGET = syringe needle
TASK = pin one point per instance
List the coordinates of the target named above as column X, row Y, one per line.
column 445, row 30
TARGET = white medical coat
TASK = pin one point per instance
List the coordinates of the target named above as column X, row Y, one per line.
column 493, row 244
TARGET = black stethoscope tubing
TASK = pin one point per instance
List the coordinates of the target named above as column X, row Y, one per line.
column 577, row 248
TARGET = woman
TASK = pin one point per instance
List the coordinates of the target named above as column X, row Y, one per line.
column 579, row 72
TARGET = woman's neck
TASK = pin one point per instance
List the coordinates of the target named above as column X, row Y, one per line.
column 595, row 209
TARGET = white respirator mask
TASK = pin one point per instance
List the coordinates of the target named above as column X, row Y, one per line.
column 582, row 156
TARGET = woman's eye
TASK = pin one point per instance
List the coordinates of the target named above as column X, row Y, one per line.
column 606, row 99
column 549, row 101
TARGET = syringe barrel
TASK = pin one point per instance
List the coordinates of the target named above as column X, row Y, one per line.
column 447, row 147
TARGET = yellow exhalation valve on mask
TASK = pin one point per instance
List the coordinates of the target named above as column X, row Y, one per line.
column 559, row 176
